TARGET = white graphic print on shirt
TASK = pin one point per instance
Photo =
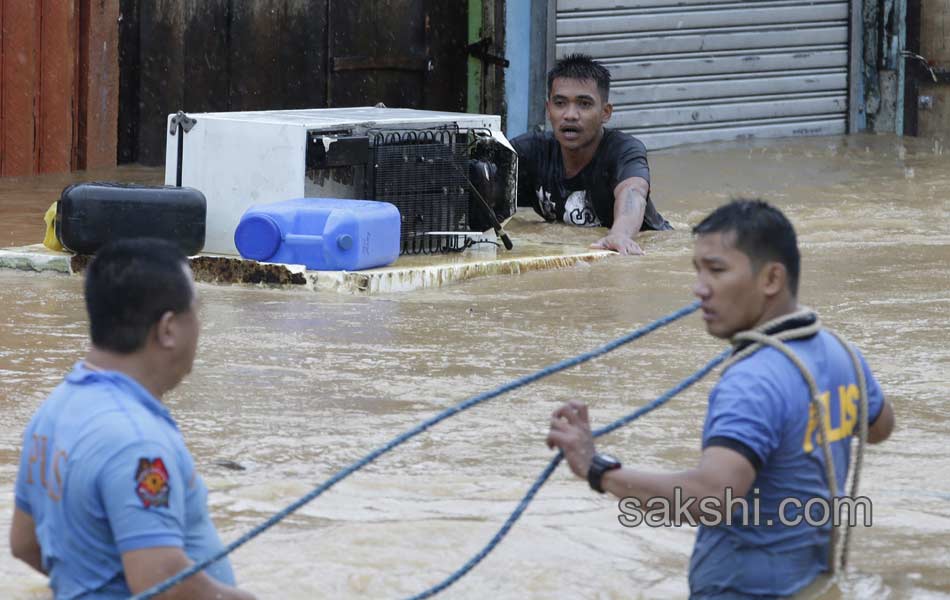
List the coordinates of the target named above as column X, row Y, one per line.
column 578, row 211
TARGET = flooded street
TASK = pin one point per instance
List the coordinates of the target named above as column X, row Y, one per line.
column 294, row 385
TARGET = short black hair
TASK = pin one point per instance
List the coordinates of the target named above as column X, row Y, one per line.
column 130, row 284
column 762, row 233
column 581, row 66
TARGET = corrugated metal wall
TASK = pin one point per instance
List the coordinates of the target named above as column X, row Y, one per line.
column 687, row 71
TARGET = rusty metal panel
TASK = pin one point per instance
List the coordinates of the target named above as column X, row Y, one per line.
column 37, row 79
column 54, row 128
column 2, row 36
column 99, row 77
column 19, row 49
column 702, row 70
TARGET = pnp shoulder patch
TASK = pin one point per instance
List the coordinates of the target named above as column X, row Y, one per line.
column 151, row 482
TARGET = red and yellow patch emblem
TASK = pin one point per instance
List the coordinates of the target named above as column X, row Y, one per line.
column 151, row 480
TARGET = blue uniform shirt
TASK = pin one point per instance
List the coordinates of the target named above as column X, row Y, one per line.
column 104, row 471
column 760, row 407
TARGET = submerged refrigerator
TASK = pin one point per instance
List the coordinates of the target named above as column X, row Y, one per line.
column 450, row 174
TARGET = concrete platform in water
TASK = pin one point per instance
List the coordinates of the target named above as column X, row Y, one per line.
column 406, row 274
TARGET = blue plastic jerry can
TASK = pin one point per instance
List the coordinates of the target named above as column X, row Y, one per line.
column 324, row 234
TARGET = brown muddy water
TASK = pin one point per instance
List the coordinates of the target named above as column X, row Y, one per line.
column 295, row 385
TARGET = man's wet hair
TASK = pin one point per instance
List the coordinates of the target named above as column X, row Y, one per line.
column 581, row 66
column 761, row 232
column 129, row 285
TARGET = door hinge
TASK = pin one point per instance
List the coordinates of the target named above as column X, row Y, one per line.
column 481, row 50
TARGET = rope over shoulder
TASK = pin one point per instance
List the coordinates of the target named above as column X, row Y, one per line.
column 803, row 324
column 858, row 445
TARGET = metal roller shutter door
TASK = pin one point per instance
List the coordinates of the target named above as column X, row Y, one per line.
column 688, row 71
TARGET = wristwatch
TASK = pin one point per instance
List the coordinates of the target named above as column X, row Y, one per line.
column 600, row 464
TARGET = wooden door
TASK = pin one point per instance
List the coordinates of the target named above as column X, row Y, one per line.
column 403, row 53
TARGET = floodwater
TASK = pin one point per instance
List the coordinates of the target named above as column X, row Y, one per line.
column 294, row 385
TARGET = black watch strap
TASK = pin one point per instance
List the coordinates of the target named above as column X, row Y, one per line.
column 600, row 464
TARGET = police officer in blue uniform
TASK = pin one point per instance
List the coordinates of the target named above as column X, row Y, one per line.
column 108, row 501
column 759, row 440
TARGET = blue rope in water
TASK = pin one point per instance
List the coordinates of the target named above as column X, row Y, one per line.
column 445, row 414
column 548, row 470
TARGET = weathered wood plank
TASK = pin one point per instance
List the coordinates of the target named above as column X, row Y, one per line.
column 238, row 55
column 205, row 52
column 129, row 81
column 99, row 68
column 445, row 85
column 17, row 153
column 303, row 54
column 397, row 88
column 935, row 31
column 352, row 32
column 58, row 45
column 255, row 55
column 162, row 82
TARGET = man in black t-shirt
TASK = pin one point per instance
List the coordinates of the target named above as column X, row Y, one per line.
column 580, row 172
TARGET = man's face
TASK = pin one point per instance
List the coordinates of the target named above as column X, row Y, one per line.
column 727, row 285
column 577, row 112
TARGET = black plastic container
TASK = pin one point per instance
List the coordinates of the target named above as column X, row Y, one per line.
column 89, row 215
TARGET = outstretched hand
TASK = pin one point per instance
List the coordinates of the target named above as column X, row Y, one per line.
column 570, row 431
column 622, row 244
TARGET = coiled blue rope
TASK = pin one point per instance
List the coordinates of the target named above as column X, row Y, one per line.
column 548, row 470
column 445, row 414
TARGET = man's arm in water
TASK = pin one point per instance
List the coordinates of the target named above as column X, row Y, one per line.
column 630, row 204
column 150, row 566
column 882, row 427
column 23, row 542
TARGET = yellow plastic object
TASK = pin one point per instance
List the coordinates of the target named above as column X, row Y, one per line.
column 51, row 241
